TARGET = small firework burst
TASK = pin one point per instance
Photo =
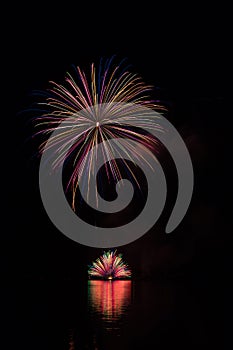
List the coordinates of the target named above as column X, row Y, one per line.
column 109, row 266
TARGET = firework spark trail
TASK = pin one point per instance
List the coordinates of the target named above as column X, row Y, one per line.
column 109, row 266
column 78, row 105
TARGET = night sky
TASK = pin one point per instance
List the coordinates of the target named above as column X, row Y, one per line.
column 186, row 59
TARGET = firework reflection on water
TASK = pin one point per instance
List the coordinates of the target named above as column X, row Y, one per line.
column 109, row 300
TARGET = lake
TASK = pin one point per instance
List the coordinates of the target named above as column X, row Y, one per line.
column 109, row 315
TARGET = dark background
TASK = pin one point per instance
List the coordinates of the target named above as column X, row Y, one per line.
column 185, row 54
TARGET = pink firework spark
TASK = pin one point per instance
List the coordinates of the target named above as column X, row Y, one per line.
column 109, row 266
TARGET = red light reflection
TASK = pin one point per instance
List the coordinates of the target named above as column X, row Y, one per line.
column 109, row 298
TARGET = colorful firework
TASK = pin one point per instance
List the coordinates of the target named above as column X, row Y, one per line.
column 109, row 266
column 84, row 105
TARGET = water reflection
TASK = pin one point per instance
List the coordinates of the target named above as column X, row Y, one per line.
column 137, row 315
column 109, row 299
column 71, row 342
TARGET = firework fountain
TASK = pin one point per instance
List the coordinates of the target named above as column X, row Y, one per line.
column 109, row 266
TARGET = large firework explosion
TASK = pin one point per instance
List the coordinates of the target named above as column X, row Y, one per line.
column 109, row 266
column 108, row 85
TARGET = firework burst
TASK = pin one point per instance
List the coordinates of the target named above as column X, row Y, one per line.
column 109, row 266
column 89, row 106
